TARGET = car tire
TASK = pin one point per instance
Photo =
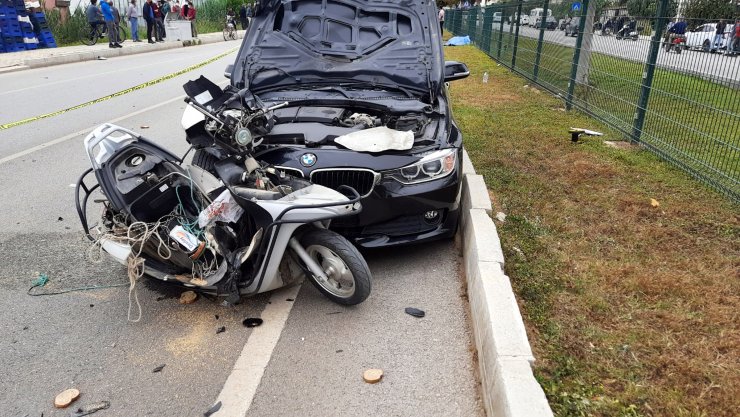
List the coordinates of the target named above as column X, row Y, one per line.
column 321, row 243
column 204, row 160
column 706, row 46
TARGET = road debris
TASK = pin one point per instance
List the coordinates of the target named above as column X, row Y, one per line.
column 144, row 127
column 289, row 299
column 654, row 202
column 501, row 217
column 213, row 409
column 66, row 397
column 87, row 410
column 221, row 329
column 60, row 219
column 411, row 311
column 576, row 132
column 159, row 368
column 216, row 315
column 188, row 297
column 252, row 322
column 372, row 376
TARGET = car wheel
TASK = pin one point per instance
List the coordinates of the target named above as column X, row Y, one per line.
column 349, row 281
column 204, row 160
column 706, row 46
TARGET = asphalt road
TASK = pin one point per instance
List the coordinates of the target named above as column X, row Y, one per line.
column 83, row 339
column 708, row 65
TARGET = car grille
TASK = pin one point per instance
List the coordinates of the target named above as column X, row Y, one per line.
column 361, row 180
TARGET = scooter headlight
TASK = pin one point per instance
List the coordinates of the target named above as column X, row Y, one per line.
column 434, row 166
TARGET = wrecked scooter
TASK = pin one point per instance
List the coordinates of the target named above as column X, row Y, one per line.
column 249, row 229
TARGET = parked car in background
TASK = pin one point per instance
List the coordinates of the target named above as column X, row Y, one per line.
column 536, row 14
column 361, row 109
column 571, row 29
column 562, row 23
column 549, row 23
column 523, row 21
column 497, row 17
column 702, row 37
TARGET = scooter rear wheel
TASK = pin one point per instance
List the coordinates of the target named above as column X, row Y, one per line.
column 349, row 280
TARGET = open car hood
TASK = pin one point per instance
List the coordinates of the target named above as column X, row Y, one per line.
column 301, row 42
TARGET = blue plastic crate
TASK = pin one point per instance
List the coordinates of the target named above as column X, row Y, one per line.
column 15, row 47
column 10, row 31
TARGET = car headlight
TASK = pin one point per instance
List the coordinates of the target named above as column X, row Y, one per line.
column 436, row 165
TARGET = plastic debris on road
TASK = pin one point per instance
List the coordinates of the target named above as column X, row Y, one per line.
column 372, row 376
column 213, row 409
column 411, row 311
column 252, row 322
column 89, row 409
column 188, row 297
column 66, row 397
column 158, row 369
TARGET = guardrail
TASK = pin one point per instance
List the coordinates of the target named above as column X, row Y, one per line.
column 683, row 104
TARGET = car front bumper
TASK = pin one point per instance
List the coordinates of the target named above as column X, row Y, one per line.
column 396, row 214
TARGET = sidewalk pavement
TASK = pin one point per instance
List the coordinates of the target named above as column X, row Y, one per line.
column 17, row 61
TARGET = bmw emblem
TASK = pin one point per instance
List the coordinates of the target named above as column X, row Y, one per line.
column 308, row 159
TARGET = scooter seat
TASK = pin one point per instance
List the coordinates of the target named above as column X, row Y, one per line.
column 253, row 193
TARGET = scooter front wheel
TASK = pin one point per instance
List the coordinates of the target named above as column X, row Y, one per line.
column 348, row 279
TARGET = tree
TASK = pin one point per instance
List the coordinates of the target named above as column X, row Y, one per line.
column 649, row 8
column 702, row 10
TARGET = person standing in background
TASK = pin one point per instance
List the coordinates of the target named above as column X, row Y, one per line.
column 441, row 20
column 176, row 10
column 719, row 35
column 158, row 22
column 148, row 13
column 243, row 16
column 732, row 38
column 184, row 10
column 110, row 24
column 116, row 18
column 191, row 17
column 133, row 19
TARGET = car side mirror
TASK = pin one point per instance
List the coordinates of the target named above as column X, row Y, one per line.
column 455, row 71
column 229, row 69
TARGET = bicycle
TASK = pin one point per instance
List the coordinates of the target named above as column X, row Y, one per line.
column 90, row 36
column 230, row 29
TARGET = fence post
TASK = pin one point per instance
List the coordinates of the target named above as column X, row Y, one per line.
column 647, row 75
column 472, row 23
column 500, row 34
column 516, row 35
column 541, row 39
column 487, row 25
column 585, row 24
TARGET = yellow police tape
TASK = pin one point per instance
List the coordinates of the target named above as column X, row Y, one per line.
column 119, row 93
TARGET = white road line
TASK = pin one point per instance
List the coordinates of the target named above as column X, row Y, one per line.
column 238, row 392
column 86, row 131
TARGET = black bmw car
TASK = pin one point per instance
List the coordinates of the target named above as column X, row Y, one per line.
column 373, row 70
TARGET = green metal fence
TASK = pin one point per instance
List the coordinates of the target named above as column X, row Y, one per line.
column 683, row 104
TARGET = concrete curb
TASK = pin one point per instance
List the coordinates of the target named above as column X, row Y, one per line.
column 504, row 355
column 128, row 49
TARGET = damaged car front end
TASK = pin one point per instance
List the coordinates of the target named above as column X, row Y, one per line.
column 365, row 83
